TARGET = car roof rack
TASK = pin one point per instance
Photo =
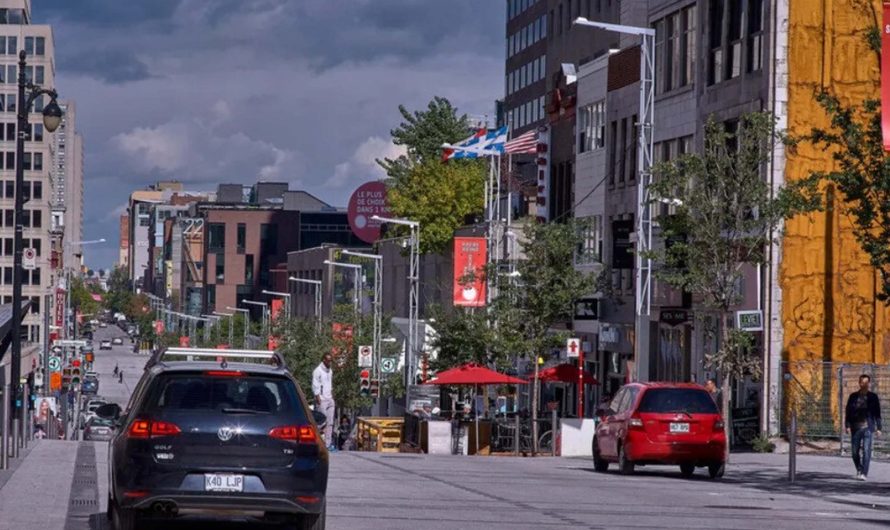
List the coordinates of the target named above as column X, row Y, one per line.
column 203, row 354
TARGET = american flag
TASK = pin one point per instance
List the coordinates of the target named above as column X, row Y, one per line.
column 525, row 143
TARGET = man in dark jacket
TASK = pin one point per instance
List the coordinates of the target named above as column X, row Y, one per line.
column 863, row 417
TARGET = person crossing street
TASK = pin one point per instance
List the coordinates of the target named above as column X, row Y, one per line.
column 322, row 388
column 863, row 419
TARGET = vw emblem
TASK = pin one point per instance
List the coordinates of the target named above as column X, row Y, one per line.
column 225, row 433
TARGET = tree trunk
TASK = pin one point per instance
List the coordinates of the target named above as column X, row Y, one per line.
column 535, row 388
column 725, row 387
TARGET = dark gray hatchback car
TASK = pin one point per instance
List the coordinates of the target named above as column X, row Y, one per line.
column 214, row 432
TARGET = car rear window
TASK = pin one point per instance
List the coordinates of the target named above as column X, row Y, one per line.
column 260, row 394
column 101, row 422
column 667, row 400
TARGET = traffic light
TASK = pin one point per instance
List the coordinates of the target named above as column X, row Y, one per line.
column 365, row 383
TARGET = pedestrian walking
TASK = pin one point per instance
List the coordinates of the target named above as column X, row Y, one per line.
column 322, row 388
column 120, row 377
column 115, row 369
column 714, row 390
column 863, row 420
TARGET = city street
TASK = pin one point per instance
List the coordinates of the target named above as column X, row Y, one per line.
column 63, row 485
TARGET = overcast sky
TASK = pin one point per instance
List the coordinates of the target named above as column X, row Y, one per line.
column 303, row 91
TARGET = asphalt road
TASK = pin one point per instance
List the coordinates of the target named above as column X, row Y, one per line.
column 401, row 491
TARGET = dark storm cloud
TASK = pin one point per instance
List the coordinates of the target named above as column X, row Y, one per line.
column 302, row 91
column 109, row 65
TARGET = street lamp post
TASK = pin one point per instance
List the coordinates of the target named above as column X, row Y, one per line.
column 413, row 296
column 357, row 282
column 246, row 322
column 52, row 118
column 230, row 317
column 286, row 297
column 317, row 285
column 265, row 307
column 644, row 209
column 378, row 304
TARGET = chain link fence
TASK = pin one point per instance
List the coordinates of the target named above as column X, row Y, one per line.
column 818, row 392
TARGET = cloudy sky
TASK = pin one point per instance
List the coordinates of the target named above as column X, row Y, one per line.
column 303, row 91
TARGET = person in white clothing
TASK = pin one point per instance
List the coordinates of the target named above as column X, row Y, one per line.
column 322, row 388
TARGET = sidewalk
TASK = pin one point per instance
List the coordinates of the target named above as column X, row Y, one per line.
column 36, row 496
column 828, row 478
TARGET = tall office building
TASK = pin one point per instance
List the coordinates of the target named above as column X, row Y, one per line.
column 67, row 190
column 18, row 33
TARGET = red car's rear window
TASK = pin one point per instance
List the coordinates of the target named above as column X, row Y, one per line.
column 668, row 400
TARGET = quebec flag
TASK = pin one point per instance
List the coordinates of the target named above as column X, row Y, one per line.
column 485, row 142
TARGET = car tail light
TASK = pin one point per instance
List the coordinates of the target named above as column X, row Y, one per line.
column 635, row 423
column 304, row 434
column 143, row 429
column 224, row 373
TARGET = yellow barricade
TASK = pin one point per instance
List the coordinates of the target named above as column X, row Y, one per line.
column 383, row 435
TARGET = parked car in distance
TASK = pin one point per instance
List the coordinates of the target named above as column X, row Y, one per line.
column 117, row 341
column 661, row 424
column 89, row 410
column 105, row 344
column 98, row 429
column 90, row 386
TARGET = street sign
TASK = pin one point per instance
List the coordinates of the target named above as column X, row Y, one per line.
column 29, row 259
column 55, row 381
column 749, row 320
column 388, row 365
column 55, row 364
column 573, row 347
column 365, row 356
column 159, row 327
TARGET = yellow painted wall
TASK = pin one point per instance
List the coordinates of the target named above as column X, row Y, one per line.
column 829, row 310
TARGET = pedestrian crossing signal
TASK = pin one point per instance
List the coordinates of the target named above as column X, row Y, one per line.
column 365, row 382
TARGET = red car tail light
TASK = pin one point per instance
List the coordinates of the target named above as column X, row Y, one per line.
column 143, row 429
column 139, row 429
column 304, row 434
column 224, row 373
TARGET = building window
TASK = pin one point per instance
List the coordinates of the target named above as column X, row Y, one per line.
column 220, row 267
column 37, row 219
column 613, row 150
column 622, row 150
column 36, row 133
column 715, row 67
column 36, row 245
column 735, row 39
column 248, row 269
column 591, row 247
column 216, row 234
column 592, row 127
column 37, row 190
column 242, row 237
column 7, row 246
column 675, row 50
column 755, row 35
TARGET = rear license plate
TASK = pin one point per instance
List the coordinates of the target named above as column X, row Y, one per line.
column 679, row 427
column 221, row 482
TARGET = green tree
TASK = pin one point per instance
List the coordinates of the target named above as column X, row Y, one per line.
column 442, row 197
column 463, row 336
column 542, row 296
column 725, row 217
column 422, row 133
column 861, row 174
column 81, row 298
column 119, row 293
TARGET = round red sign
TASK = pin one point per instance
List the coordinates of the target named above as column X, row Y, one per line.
column 368, row 200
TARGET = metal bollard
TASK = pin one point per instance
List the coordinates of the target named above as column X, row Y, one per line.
column 15, row 438
column 792, row 449
column 516, row 436
column 553, row 425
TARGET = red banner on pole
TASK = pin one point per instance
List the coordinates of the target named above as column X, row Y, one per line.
column 470, row 257
column 276, row 305
column 184, row 342
column 885, row 76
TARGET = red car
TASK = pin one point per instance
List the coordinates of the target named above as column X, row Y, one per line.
column 661, row 423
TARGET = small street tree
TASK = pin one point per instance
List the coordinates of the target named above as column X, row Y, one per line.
column 542, row 296
column 421, row 188
column 861, row 175
column 725, row 217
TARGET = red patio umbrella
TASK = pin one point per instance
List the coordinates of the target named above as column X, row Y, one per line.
column 473, row 374
column 564, row 373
